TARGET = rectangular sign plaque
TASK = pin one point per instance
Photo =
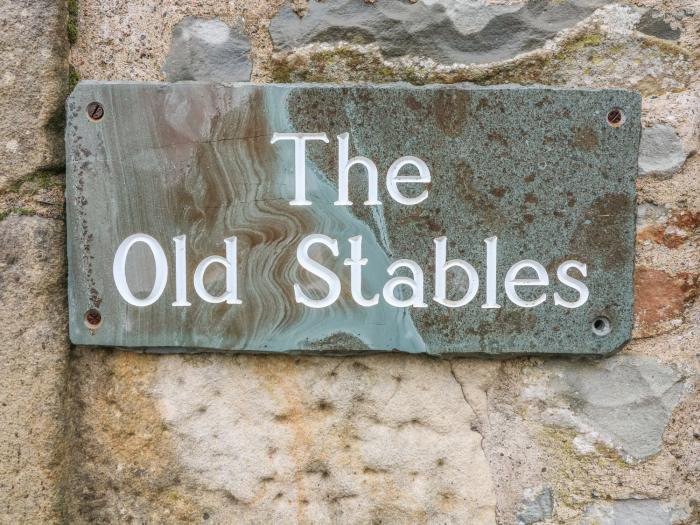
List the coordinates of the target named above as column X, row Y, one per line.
column 350, row 218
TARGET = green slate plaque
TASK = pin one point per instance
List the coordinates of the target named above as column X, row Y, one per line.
column 351, row 218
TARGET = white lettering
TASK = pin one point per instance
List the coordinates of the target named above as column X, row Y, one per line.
column 181, row 271
column 491, row 267
column 356, row 262
column 569, row 281
column 299, row 161
column 229, row 263
column 512, row 281
column 416, row 285
column 393, row 179
column 344, row 166
column 319, row 270
column 441, row 267
column 119, row 269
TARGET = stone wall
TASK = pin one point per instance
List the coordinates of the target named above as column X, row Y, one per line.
column 95, row 435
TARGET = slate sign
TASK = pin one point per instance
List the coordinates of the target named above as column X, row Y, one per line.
column 350, row 218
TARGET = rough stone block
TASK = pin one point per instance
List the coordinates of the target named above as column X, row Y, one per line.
column 33, row 54
column 208, row 50
column 660, row 152
column 447, row 31
column 33, row 351
column 276, row 439
column 629, row 512
column 623, row 403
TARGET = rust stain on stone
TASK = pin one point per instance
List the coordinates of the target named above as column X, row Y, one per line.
column 125, row 446
column 585, row 138
column 660, row 296
column 494, row 136
column 413, row 103
column 601, row 230
column 676, row 232
column 452, row 111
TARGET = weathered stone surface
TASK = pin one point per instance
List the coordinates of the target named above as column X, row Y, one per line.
column 629, row 512
column 126, row 458
column 661, row 298
column 261, row 439
column 33, row 353
column 40, row 193
column 208, row 50
column 623, row 403
column 33, row 79
column 447, row 31
column 660, row 152
column 653, row 23
column 537, row 506
column 672, row 228
column 527, row 447
column 603, row 50
column 139, row 35
column 506, row 162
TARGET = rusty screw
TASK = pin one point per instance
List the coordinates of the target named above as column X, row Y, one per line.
column 615, row 117
column 93, row 319
column 95, row 110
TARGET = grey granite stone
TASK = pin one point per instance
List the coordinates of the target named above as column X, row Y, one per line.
column 537, row 506
column 447, row 31
column 208, row 50
column 625, row 402
column 660, row 152
column 629, row 512
column 652, row 23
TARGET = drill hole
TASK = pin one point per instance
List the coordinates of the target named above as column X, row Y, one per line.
column 93, row 319
column 616, row 117
column 95, row 111
column 601, row 326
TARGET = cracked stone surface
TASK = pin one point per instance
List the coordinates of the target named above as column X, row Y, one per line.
column 208, row 50
column 319, row 440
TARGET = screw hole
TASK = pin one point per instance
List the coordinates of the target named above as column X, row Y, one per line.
column 95, row 111
column 616, row 117
column 93, row 319
column 601, row 326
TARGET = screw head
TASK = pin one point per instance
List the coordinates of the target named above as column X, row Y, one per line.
column 615, row 117
column 601, row 326
column 93, row 319
column 95, row 111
